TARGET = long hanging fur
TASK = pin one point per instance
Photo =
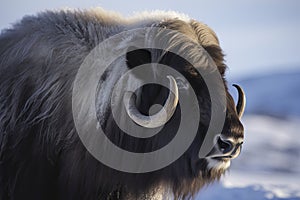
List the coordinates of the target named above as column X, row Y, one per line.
column 41, row 155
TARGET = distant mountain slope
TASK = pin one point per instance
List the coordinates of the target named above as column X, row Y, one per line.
column 273, row 94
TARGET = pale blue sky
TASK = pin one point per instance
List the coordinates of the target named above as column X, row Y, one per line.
column 256, row 35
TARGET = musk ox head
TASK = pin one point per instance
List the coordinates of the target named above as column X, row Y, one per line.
column 130, row 114
column 47, row 126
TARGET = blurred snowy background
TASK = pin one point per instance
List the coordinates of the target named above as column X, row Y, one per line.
column 269, row 165
column 262, row 44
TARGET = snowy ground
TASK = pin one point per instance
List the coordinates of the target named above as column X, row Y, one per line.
column 269, row 166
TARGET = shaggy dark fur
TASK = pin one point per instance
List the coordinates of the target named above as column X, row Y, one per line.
column 41, row 155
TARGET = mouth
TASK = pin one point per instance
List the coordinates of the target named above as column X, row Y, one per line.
column 234, row 154
column 221, row 162
column 222, row 158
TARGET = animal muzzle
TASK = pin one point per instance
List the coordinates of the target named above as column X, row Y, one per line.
column 225, row 148
column 230, row 147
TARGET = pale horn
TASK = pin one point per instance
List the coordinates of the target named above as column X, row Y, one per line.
column 161, row 117
column 240, row 107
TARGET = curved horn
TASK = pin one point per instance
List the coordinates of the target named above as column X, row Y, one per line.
column 161, row 117
column 240, row 107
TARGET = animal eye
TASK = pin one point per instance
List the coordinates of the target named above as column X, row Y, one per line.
column 182, row 83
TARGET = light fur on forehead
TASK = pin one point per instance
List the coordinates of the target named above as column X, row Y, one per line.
column 159, row 15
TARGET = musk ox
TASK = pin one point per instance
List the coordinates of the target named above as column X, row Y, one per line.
column 41, row 154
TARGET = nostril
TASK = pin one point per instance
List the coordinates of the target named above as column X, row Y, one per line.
column 225, row 145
